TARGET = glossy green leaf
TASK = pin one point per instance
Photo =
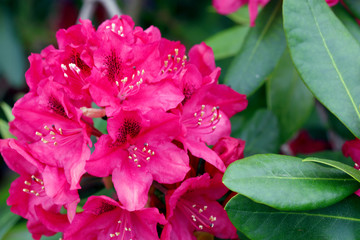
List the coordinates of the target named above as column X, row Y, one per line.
column 7, row 219
column 261, row 133
column 288, row 183
column 260, row 222
column 288, row 98
column 348, row 20
column 354, row 173
column 338, row 155
column 353, row 6
column 228, row 42
column 327, row 57
column 12, row 59
column 260, row 52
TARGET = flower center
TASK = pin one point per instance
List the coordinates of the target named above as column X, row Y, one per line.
column 56, row 106
column 174, row 62
column 130, row 86
column 198, row 214
column 204, row 120
column 34, row 186
column 123, row 229
column 140, row 155
column 59, row 136
column 116, row 29
column 129, row 128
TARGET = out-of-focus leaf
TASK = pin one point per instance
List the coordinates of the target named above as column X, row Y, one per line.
column 7, row 111
column 12, row 60
column 261, row 133
column 288, row 98
column 260, row 222
column 354, row 7
column 327, row 57
column 241, row 16
column 287, row 183
column 228, row 42
column 4, row 130
column 348, row 20
column 260, row 52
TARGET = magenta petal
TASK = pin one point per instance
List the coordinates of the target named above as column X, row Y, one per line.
column 203, row 57
column 169, row 165
column 54, row 221
column 132, row 185
column 227, row 6
column 200, row 150
column 105, row 158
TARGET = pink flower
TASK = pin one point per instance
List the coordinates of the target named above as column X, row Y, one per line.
column 352, row 149
column 39, row 186
column 205, row 119
column 138, row 150
column 193, row 207
column 51, row 123
column 104, row 218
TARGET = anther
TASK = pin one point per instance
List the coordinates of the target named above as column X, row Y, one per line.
column 134, row 155
column 175, row 68
column 149, row 151
column 214, row 127
column 202, row 107
column 130, row 157
column 38, row 133
column 44, row 141
column 27, row 183
column 25, row 190
column 139, row 166
column 52, row 133
column 184, row 58
column 142, row 72
column 205, row 207
column 166, row 63
column 201, row 227
column 131, row 87
column 46, row 127
column 117, row 83
column 138, row 72
column 55, row 143
column 200, row 210
column 169, row 56
column 112, row 235
column 153, row 153
column 65, row 75
column 195, row 114
column 135, row 148
column 60, row 131
column 194, row 205
column 176, row 50
column 202, row 113
column 178, row 59
column 136, row 160
column 53, row 138
column 148, row 158
column 117, row 233
column 119, row 221
column 63, row 66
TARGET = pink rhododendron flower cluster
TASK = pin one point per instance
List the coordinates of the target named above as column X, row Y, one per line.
column 230, row 6
column 163, row 110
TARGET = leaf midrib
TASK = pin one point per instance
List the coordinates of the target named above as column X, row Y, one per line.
column 299, row 178
column 333, row 61
column 306, row 214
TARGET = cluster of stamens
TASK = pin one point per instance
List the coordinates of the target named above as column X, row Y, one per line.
column 112, row 27
column 35, row 181
column 126, row 229
column 130, row 86
column 174, row 62
column 198, row 215
column 145, row 153
column 52, row 131
column 205, row 119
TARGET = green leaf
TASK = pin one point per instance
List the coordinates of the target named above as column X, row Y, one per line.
column 288, row 98
column 348, row 20
column 354, row 7
column 260, row 222
column 327, row 57
column 12, row 60
column 241, row 16
column 228, row 42
column 261, row 133
column 4, row 130
column 7, row 111
column 260, row 52
column 288, row 183
column 7, row 219
column 354, row 173
column 338, row 155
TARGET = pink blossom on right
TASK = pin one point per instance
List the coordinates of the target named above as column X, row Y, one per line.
column 229, row 6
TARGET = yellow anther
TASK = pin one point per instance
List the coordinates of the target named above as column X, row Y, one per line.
column 38, row 133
